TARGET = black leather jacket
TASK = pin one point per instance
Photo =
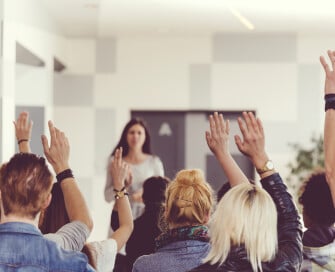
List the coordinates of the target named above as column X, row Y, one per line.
column 289, row 255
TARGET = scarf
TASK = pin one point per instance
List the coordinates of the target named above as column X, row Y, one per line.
column 199, row 233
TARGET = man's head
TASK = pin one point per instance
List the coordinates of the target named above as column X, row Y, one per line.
column 25, row 185
column 317, row 201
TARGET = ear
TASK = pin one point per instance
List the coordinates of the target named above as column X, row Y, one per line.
column 206, row 219
column 46, row 202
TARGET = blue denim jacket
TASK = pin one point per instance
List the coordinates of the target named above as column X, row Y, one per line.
column 23, row 248
column 177, row 256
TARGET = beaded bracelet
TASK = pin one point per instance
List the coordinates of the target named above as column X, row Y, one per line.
column 67, row 173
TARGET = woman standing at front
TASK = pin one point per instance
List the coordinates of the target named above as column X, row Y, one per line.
column 135, row 142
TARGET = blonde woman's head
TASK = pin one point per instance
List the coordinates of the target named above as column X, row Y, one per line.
column 189, row 199
column 245, row 216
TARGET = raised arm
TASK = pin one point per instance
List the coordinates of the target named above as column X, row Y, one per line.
column 57, row 153
column 23, row 127
column 218, row 142
column 253, row 143
column 119, row 171
column 329, row 126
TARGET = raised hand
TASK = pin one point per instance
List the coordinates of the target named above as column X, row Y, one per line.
column 330, row 73
column 58, row 152
column 23, row 127
column 253, row 143
column 218, row 136
column 119, row 170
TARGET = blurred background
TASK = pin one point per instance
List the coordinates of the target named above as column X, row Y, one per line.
column 90, row 65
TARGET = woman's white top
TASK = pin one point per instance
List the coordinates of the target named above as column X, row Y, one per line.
column 104, row 253
column 151, row 166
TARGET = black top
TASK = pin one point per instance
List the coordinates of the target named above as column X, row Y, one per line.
column 289, row 255
column 142, row 239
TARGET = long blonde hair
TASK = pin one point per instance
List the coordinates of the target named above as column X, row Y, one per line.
column 246, row 216
column 189, row 199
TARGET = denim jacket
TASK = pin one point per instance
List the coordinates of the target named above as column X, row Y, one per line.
column 23, row 248
column 177, row 256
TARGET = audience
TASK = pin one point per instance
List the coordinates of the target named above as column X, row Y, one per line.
column 25, row 190
column 316, row 196
column 146, row 227
column 188, row 206
column 253, row 228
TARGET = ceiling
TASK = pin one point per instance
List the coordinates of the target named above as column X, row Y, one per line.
column 92, row 18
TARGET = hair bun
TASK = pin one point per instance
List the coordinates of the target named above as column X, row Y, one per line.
column 190, row 177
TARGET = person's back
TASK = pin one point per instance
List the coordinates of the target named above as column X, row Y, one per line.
column 188, row 206
column 319, row 218
column 146, row 229
column 23, row 248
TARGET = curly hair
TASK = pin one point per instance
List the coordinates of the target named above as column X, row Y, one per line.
column 316, row 199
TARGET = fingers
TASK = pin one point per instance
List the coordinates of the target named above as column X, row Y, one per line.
column 325, row 65
column 242, row 127
column 260, row 126
column 331, row 58
column 52, row 132
column 45, row 144
column 212, row 126
column 331, row 55
column 238, row 142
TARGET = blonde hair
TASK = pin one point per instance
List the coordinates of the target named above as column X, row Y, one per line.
column 189, row 199
column 246, row 216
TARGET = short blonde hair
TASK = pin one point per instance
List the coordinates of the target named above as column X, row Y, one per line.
column 189, row 199
column 247, row 216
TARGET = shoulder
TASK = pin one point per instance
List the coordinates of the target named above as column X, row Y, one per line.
column 104, row 253
column 150, row 260
column 63, row 259
column 153, row 158
column 205, row 268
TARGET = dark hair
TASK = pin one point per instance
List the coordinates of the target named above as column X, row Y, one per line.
column 25, row 184
column 55, row 216
column 146, row 148
column 317, row 201
column 154, row 190
column 223, row 190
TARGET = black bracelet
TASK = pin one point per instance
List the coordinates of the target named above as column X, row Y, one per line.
column 330, row 105
column 330, row 97
column 67, row 173
column 121, row 194
column 123, row 188
column 22, row 140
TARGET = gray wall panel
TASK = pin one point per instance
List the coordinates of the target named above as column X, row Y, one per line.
column 255, row 47
column 104, row 138
column 73, row 90
column 200, row 85
column 37, row 115
column 106, row 55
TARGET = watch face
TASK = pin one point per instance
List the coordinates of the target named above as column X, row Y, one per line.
column 269, row 165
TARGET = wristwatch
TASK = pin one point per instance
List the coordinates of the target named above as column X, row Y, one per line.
column 267, row 167
column 120, row 194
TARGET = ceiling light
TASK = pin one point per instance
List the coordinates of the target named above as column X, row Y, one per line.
column 242, row 19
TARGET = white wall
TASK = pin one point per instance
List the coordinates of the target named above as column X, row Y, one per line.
column 156, row 73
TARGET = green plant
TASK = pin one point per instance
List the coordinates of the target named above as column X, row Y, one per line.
column 306, row 161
